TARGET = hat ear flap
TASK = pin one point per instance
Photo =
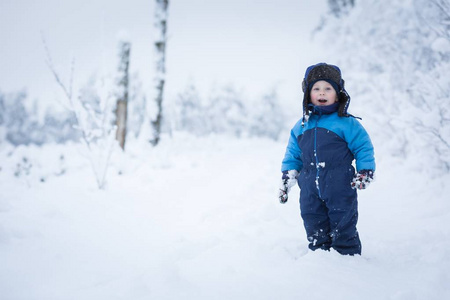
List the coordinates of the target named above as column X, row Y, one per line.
column 304, row 85
column 344, row 101
column 343, row 96
column 342, row 84
column 306, row 100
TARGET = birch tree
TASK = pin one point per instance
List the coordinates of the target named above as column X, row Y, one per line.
column 161, row 14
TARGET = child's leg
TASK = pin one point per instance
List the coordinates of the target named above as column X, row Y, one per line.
column 342, row 204
column 315, row 219
column 343, row 219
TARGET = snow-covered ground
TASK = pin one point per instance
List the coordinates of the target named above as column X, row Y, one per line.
column 198, row 218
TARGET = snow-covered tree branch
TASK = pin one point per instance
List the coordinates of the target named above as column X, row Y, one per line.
column 397, row 61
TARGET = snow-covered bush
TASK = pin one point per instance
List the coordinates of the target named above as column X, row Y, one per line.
column 58, row 127
column 395, row 60
column 266, row 116
column 21, row 126
column 14, row 118
column 191, row 112
column 36, row 164
column 228, row 111
column 96, row 107
column 94, row 114
column 92, row 107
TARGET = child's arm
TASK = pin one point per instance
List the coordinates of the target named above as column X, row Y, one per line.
column 291, row 165
column 288, row 180
column 361, row 146
column 292, row 158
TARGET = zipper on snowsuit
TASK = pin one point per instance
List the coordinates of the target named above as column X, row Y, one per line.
column 318, row 165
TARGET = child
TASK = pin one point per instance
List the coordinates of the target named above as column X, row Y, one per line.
column 319, row 156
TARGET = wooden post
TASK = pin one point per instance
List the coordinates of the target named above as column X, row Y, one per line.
column 122, row 99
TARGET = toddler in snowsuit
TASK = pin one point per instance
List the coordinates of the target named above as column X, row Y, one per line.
column 319, row 156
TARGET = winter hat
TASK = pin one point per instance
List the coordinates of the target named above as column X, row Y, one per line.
column 330, row 74
column 333, row 84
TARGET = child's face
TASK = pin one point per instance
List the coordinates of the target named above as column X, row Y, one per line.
column 323, row 94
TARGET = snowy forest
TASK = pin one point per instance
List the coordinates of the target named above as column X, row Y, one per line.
column 151, row 170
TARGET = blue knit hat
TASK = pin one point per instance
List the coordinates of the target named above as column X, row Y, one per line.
column 333, row 84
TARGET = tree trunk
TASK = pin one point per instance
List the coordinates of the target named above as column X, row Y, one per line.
column 160, row 47
column 122, row 99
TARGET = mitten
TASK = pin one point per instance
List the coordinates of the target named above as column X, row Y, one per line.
column 362, row 179
column 288, row 180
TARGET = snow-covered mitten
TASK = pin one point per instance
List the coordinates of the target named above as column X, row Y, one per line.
column 288, row 180
column 362, row 179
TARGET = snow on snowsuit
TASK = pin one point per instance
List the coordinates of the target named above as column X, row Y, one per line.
column 322, row 150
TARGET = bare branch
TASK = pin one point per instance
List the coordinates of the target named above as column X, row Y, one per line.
column 96, row 143
column 419, row 126
column 50, row 65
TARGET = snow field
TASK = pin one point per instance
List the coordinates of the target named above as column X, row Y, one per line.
column 198, row 218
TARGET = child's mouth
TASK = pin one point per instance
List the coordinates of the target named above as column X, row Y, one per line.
column 322, row 101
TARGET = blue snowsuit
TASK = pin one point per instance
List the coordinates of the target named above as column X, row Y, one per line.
column 322, row 150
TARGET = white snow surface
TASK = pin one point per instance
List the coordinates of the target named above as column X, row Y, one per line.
column 199, row 218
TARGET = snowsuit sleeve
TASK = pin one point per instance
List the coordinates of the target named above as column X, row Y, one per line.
column 292, row 158
column 361, row 146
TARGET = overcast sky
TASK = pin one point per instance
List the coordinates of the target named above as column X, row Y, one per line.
column 255, row 45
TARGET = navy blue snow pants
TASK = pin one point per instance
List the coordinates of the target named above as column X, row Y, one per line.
column 329, row 208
